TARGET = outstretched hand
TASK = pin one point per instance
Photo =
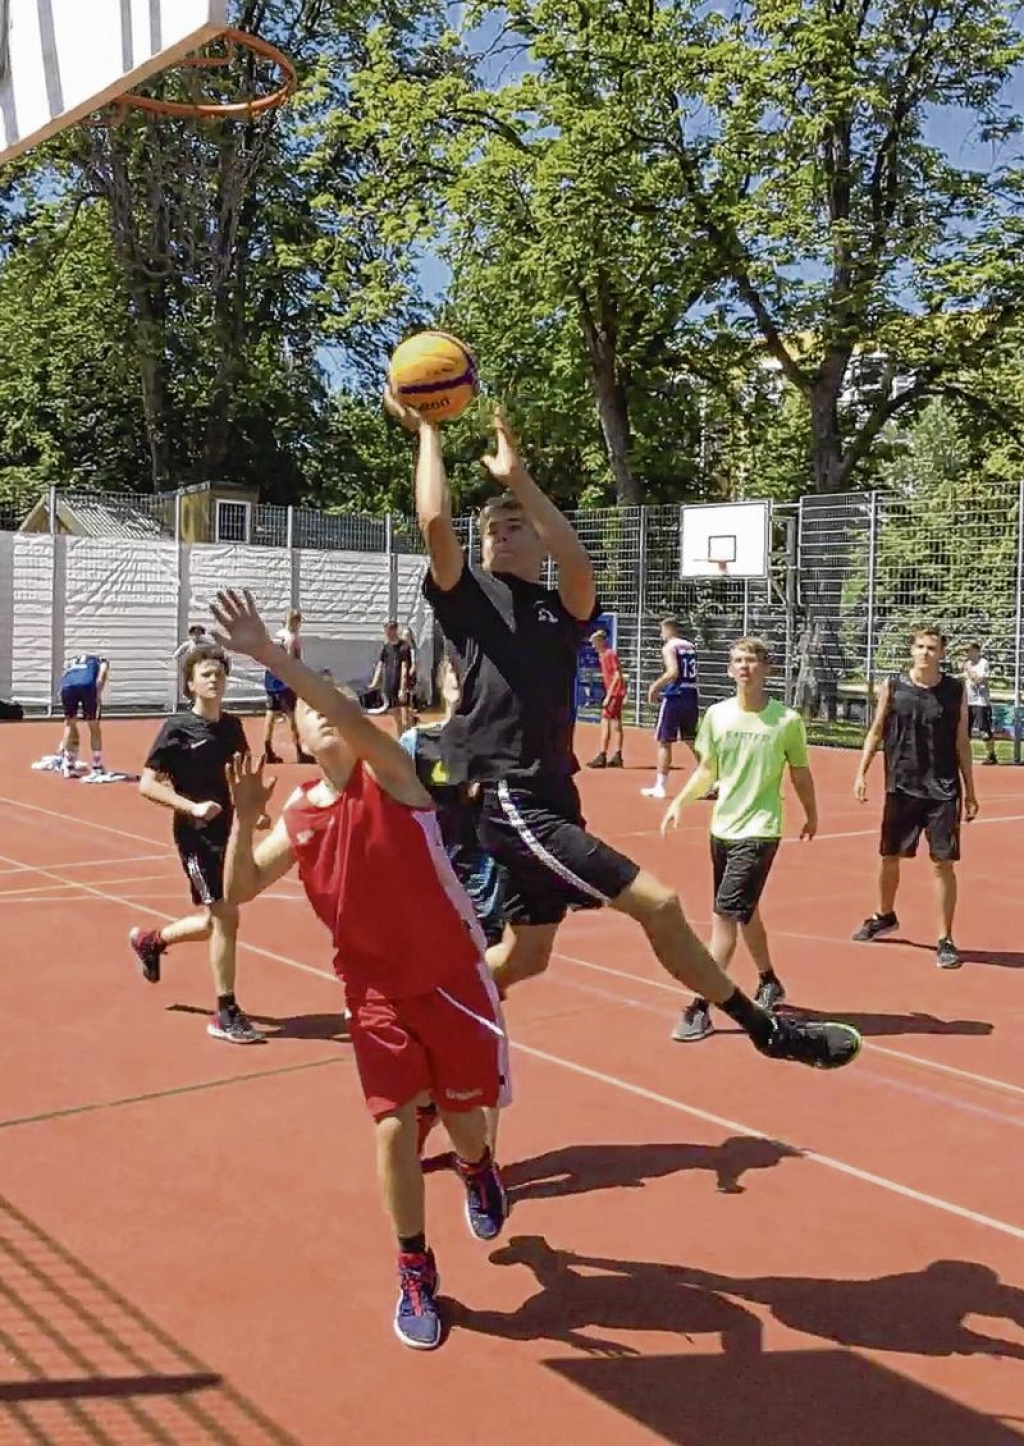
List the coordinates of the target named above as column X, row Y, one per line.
column 250, row 791
column 241, row 627
column 406, row 417
column 503, row 464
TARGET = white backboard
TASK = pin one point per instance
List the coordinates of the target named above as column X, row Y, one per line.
column 60, row 60
column 728, row 539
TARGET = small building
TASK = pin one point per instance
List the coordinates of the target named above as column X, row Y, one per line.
column 207, row 512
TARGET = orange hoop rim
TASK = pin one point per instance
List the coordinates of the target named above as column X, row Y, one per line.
column 226, row 109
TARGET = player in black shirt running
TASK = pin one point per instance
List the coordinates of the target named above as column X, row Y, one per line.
column 515, row 643
column 187, row 771
column 921, row 723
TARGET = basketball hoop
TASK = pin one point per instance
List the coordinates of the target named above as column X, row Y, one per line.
column 255, row 49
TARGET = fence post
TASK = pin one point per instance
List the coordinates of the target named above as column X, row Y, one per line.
column 641, row 610
column 869, row 650
column 392, row 557
column 746, row 606
column 53, row 511
column 289, row 529
column 58, row 615
column 470, row 539
column 792, row 564
column 1019, row 608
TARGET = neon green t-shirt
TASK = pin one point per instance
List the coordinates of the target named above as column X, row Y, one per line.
column 750, row 752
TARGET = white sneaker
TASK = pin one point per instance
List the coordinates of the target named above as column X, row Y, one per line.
column 656, row 792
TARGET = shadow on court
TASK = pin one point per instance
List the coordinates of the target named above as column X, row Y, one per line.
column 581, row 1169
column 81, row 1363
column 330, row 1027
column 878, row 1026
column 727, row 1390
column 999, row 958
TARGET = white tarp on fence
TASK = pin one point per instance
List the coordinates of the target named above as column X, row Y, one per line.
column 132, row 601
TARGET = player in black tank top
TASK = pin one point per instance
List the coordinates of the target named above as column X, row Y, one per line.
column 921, row 725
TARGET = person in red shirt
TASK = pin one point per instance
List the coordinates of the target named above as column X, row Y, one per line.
column 611, row 706
column 425, row 1017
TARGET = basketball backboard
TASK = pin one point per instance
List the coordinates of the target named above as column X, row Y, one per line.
column 61, row 60
column 724, row 540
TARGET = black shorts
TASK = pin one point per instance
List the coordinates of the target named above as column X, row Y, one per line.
column 741, row 867
column 980, row 720
column 552, row 864
column 281, row 700
column 202, row 853
column 906, row 817
column 81, row 697
column 677, row 718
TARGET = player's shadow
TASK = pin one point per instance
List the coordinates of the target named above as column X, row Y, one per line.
column 581, row 1169
column 581, row 1291
column 874, row 1026
column 918, row 1313
column 330, row 1027
column 997, row 958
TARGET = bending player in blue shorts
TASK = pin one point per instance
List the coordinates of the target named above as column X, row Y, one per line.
column 81, row 691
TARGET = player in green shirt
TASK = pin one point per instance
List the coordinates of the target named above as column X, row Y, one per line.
column 745, row 745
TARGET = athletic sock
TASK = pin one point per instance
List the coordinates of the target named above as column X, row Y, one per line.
column 756, row 1021
column 97, row 761
column 413, row 1244
column 469, row 1169
column 226, row 1002
column 661, row 781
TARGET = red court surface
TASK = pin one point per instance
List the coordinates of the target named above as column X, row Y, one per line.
column 705, row 1247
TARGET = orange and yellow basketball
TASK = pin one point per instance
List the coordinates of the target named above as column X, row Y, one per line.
column 434, row 373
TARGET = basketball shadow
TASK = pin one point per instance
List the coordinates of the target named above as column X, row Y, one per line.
column 581, row 1169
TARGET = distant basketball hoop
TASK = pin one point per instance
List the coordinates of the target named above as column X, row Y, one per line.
column 724, row 540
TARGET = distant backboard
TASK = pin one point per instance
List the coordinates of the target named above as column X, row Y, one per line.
column 61, row 60
column 724, row 540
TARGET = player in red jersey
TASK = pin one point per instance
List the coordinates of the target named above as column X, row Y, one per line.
column 611, row 704
column 425, row 1017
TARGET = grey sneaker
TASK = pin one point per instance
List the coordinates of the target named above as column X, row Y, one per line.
column 695, row 1023
column 235, row 1027
column 946, row 955
column 770, row 992
column 877, row 927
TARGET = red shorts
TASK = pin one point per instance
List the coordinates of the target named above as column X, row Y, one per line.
column 450, row 1043
column 613, row 708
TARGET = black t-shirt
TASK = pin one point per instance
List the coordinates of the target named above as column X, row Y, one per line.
column 920, row 738
column 515, row 648
column 193, row 753
column 393, row 655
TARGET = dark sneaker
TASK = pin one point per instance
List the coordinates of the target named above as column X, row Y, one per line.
column 946, row 955
column 819, row 1044
column 877, row 927
column 269, row 756
column 148, row 947
column 417, row 1319
column 770, row 993
column 486, row 1201
column 599, row 762
column 301, row 756
column 235, row 1027
column 695, row 1023
column 616, row 761
column 989, row 762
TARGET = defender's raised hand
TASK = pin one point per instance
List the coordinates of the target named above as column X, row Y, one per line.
column 504, row 464
column 250, row 791
column 241, row 627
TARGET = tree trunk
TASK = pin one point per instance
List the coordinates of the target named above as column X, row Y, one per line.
column 612, row 400
column 826, row 437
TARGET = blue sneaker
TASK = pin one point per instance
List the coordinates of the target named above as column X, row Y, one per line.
column 486, row 1201
column 417, row 1319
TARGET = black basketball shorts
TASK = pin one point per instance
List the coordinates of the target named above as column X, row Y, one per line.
column 741, row 867
column 905, row 818
column 203, row 853
column 552, row 864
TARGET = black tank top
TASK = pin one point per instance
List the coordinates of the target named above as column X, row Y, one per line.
column 920, row 738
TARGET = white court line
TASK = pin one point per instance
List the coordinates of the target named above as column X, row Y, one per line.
column 915, row 1059
column 74, row 819
column 89, row 863
column 829, row 1162
column 820, row 837
column 919, row 1197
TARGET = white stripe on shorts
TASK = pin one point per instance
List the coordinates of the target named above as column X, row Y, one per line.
column 496, row 1025
column 538, row 850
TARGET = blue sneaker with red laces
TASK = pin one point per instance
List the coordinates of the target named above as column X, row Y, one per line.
column 486, row 1201
column 417, row 1318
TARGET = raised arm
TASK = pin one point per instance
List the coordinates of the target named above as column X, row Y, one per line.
column 250, row 867
column 433, row 498
column 576, row 585
column 244, row 631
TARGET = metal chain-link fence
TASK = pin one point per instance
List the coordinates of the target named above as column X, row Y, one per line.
column 849, row 576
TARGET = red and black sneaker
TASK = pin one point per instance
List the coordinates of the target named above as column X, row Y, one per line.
column 148, row 947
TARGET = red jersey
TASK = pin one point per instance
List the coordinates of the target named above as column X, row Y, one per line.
column 610, row 674
column 376, row 873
